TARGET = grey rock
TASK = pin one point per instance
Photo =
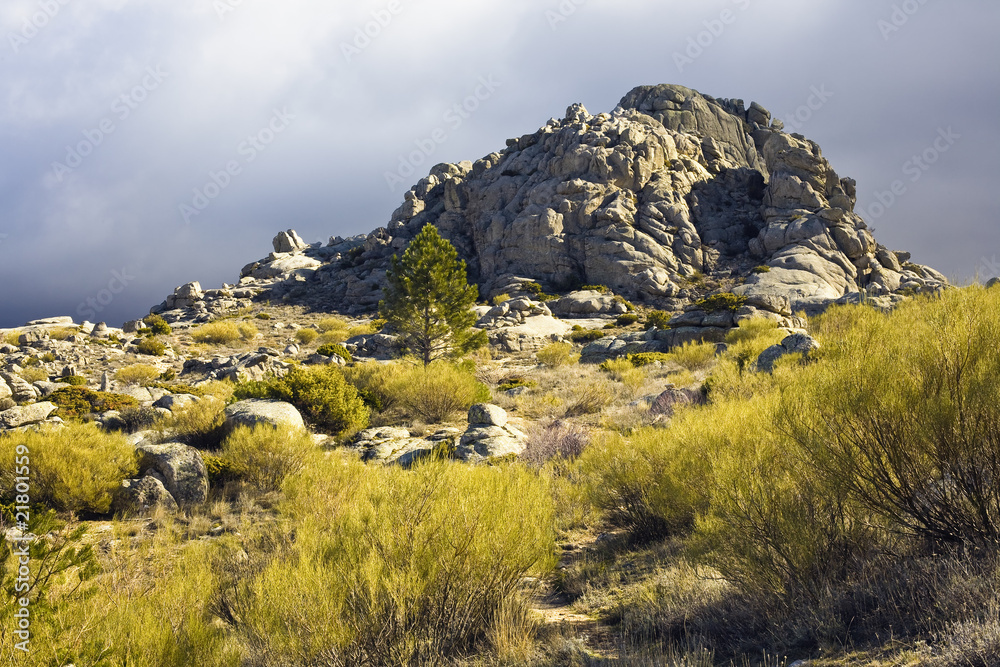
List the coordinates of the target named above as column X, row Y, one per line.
column 794, row 344
column 488, row 415
column 26, row 415
column 253, row 412
column 289, row 241
column 387, row 445
column 174, row 402
column 181, row 468
column 140, row 497
column 666, row 403
column 21, row 391
column 5, row 391
column 993, row 283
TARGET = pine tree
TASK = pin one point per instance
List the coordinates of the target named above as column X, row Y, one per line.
column 428, row 299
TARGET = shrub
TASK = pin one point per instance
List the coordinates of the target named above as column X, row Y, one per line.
column 627, row 320
column 151, row 347
column 393, row 567
column 589, row 398
column 603, row 289
column 247, row 331
column 320, row 392
column 219, row 470
column 641, row 359
column 73, row 469
column 74, row 380
column 75, row 402
column 554, row 355
column 138, row 374
column 62, row 333
column 265, row 456
column 584, row 337
column 376, row 384
column 34, row 374
column 332, row 324
column 624, row 371
column 719, row 302
column 763, row 268
column 658, row 319
column 263, row 316
column 222, row 332
column 48, row 357
column 200, row 425
column 158, row 325
column 516, row 383
column 306, row 336
column 133, row 420
column 500, row 298
column 557, row 440
column 330, row 350
column 439, row 390
column 693, row 356
column 334, row 337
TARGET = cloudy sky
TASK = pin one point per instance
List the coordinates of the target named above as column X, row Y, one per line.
column 148, row 143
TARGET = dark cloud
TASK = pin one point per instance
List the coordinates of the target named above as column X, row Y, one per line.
column 888, row 93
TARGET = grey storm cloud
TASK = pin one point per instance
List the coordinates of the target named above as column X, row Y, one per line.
column 148, row 143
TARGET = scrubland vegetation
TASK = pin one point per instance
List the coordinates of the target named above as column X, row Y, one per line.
column 843, row 509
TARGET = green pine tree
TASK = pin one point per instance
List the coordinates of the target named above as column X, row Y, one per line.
column 428, row 299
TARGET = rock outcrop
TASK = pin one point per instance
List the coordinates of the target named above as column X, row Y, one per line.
column 669, row 187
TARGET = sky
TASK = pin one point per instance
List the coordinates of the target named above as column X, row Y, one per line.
column 145, row 144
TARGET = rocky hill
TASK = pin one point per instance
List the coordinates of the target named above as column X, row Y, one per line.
column 670, row 187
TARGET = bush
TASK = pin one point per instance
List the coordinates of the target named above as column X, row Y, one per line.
column 219, row 470
column 265, row 456
column 34, row 374
column 693, row 356
column 200, row 425
column 306, row 336
column 263, row 316
column 73, row 380
column 500, row 298
column 328, row 324
column 320, row 392
column 624, row 371
column 439, row 390
column 75, row 402
column 158, row 325
column 376, row 384
column 584, row 337
column 658, row 319
column 331, row 350
column 138, row 374
column 334, row 337
column 627, row 320
column 557, row 440
column 222, row 332
column 516, row 383
column 603, row 289
column 641, row 359
column 554, row 355
column 247, row 331
column 133, row 420
column 590, row 398
column 150, row 347
column 763, row 268
column 73, row 469
column 720, row 302
column 393, row 567
column 62, row 333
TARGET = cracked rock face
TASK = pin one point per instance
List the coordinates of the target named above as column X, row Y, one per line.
column 670, row 185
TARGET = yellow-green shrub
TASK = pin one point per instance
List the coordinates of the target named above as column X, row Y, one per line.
column 624, row 371
column 73, row 469
column 320, row 392
column 199, row 424
column 557, row 354
column 376, row 384
column 332, row 324
column 693, row 356
column 265, row 456
column 306, row 336
column 138, row 374
column 394, row 567
column 438, row 391
column 247, row 331
column 222, row 332
column 34, row 374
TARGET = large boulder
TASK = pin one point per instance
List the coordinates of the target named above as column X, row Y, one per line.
column 794, row 344
column 254, row 411
column 5, row 391
column 26, row 415
column 587, row 303
column 489, row 436
column 140, row 497
column 288, row 242
column 20, row 389
column 387, row 445
column 175, row 402
column 181, row 468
